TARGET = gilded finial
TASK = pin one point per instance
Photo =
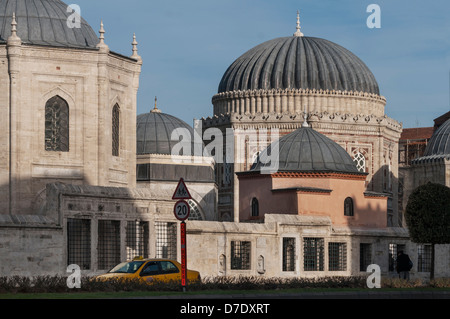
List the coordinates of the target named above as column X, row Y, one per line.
column 156, row 110
column 298, row 33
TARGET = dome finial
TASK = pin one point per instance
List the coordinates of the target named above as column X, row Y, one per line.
column 156, row 110
column 298, row 33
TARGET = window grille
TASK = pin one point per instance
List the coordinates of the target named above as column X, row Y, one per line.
column 255, row 207
column 313, row 254
column 348, row 207
column 137, row 239
column 166, row 240
column 365, row 256
column 424, row 258
column 79, row 243
column 240, row 255
column 288, row 254
column 360, row 162
column 115, row 130
column 195, row 213
column 57, row 125
column 337, row 256
column 393, row 250
column 108, row 243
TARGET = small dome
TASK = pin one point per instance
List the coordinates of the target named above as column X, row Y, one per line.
column 44, row 22
column 299, row 62
column 439, row 143
column 154, row 131
column 306, row 150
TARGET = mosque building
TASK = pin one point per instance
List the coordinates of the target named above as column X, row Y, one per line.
column 85, row 180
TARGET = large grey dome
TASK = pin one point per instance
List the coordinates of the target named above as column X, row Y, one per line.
column 439, row 143
column 299, row 63
column 44, row 22
column 306, row 150
column 154, row 131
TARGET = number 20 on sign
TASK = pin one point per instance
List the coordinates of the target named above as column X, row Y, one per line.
column 181, row 210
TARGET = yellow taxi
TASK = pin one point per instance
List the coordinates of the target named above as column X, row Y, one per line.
column 149, row 270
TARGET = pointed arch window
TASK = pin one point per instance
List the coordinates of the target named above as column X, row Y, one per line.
column 115, row 130
column 56, row 125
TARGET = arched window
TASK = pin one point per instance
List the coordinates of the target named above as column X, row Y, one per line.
column 196, row 213
column 115, row 130
column 360, row 162
column 255, row 207
column 57, row 125
column 348, row 207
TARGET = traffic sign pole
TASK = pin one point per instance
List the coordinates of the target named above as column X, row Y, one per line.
column 181, row 210
column 183, row 255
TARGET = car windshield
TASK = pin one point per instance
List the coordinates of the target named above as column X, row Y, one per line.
column 129, row 267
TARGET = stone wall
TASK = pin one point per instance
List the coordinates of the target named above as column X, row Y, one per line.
column 91, row 82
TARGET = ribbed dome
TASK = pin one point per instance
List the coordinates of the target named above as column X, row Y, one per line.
column 299, row 63
column 44, row 22
column 439, row 143
column 306, row 150
column 154, row 131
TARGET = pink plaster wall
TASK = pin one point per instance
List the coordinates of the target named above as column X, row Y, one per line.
column 368, row 211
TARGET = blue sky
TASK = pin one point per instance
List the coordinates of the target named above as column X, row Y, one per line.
column 188, row 45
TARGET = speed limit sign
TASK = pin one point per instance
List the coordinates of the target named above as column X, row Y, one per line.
column 182, row 210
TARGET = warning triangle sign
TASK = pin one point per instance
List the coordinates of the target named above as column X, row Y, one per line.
column 181, row 192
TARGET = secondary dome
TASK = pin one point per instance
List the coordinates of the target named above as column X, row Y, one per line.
column 306, row 150
column 154, row 131
column 44, row 22
column 439, row 143
column 299, row 62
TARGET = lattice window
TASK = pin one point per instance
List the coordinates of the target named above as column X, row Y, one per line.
column 255, row 207
column 288, row 254
column 348, row 207
column 115, row 130
column 360, row 161
column 79, row 243
column 57, row 125
column 227, row 174
column 166, row 240
column 313, row 254
column 365, row 256
column 424, row 258
column 240, row 255
column 196, row 213
column 337, row 256
column 137, row 239
column 108, row 243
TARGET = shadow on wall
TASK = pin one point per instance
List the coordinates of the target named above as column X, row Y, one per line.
column 384, row 182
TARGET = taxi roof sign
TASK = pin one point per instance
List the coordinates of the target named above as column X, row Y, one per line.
column 181, row 192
